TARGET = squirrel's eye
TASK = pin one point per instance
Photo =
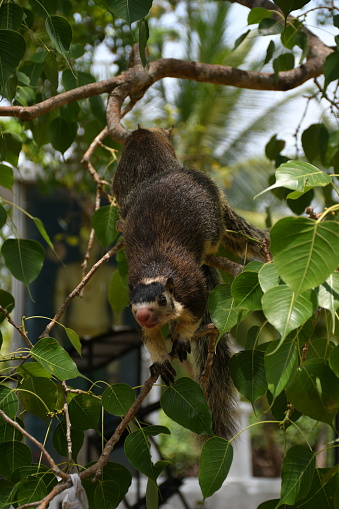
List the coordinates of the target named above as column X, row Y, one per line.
column 162, row 300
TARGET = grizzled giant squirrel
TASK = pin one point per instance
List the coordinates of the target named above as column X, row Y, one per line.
column 172, row 218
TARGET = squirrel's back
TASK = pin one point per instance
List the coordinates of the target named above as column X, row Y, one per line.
column 147, row 152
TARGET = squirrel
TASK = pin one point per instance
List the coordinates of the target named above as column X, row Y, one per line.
column 172, row 218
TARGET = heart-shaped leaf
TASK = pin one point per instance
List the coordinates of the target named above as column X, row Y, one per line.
column 12, row 50
column 60, row 32
column 24, row 258
column 285, row 310
column 305, row 251
column 55, row 359
column 215, row 462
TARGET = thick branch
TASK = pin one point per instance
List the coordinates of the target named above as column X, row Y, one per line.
column 137, row 80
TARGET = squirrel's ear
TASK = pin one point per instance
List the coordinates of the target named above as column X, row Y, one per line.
column 131, row 287
column 139, row 126
column 169, row 131
column 170, row 285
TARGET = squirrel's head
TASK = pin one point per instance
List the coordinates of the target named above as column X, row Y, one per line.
column 153, row 302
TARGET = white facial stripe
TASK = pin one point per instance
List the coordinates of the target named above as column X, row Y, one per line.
column 150, row 280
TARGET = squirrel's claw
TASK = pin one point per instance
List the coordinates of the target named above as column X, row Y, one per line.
column 180, row 349
column 165, row 370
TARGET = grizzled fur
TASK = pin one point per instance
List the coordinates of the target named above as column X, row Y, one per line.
column 172, row 218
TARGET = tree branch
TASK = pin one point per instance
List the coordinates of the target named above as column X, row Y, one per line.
column 80, row 286
column 48, row 457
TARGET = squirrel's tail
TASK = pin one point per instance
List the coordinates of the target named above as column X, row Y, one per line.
column 242, row 237
column 220, row 392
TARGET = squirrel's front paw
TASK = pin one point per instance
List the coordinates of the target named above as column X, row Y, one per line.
column 180, row 349
column 165, row 370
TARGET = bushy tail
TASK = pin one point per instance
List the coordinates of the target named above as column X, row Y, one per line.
column 220, row 390
column 239, row 233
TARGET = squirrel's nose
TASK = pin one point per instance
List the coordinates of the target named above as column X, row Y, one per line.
column 146, row 317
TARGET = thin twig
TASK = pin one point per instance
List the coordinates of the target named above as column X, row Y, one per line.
column 99, row 465
column 80, row 286
column 55, row 469
column 19, row 329
column 68, row 425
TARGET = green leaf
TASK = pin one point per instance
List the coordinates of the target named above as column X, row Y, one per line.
column 62, row 133
column 315, row 391
column 74, row 339
column 55, row 359
column 7, row 302
column 51, row 70
column 38, row 396
column 118, row 398
column 60, row 440
column 257, row 14
column 296, row 474
column 240, row 39
column 290, row 5
column 8, row 433
column 215, row 462
column 8, row 401
column 299, row 176
column 24, row 258
column 152, row 494
column 6, row 494
column 283, row 62
column 246, row 291
column 334, row 360
column 111, row 472
column 305, row 251
column 6, row 176
column 3, row 215
column 143, row 38
column 12, row 50
column 315, row 141
column 117, row 293
column 268, row 276
column 10, row 143
column 13, row 455
column 40, row 226
column 331, row 68
column 318, row 348
column 76, row 79
column 33, row 369
column 84, row 412
column 279, row 408
column 10, row 16
column 103, row 222
column 129, row 11
column 280, row 365
column 30, row 489
column 137, row 450
column 285, row 310
column 269, row 52
column 107, row 494
column 323, row 492
column 328, row 295
column 269, row 26
column 274, row 147
column 248, row 374
column 60, row 32
column 184, row 402
column 291, row 36
column 70, row 112
column 221, row 306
